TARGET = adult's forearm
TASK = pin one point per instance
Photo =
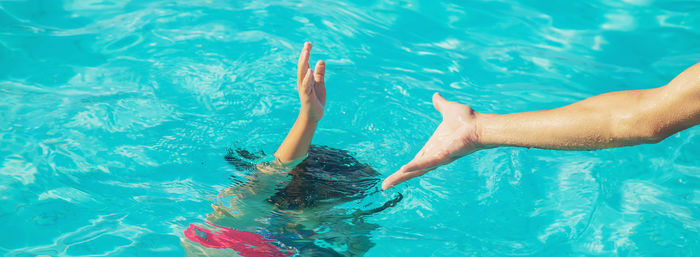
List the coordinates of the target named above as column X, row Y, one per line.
column 609, row 120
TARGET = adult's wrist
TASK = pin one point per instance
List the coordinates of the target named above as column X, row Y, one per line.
column 486, row 125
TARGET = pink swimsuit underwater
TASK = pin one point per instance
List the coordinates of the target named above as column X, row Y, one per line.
column 245, row 243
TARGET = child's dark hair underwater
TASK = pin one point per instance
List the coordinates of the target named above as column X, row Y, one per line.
column 327, row 175
column 299, row 199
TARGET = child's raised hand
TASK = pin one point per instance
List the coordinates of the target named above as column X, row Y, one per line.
column 312, row 89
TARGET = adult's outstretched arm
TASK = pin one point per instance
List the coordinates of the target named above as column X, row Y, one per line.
column 615, row 119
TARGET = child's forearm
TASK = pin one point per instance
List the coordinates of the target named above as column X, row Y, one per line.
column 296, row 145
column 312, row 95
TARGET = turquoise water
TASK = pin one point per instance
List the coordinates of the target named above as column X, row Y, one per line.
column 115, row 117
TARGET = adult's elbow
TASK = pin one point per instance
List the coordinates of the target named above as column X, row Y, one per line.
column 654, row 133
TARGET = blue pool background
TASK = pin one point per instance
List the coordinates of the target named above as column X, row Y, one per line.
column 115, row 116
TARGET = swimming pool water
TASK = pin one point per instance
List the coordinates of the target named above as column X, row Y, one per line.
column 115, row 117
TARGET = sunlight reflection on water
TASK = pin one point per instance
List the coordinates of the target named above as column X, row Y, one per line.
column 116, row 116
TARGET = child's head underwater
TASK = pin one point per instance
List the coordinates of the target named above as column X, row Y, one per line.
column 327, row 175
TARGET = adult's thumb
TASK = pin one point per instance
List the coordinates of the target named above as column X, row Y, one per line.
column 439, row 102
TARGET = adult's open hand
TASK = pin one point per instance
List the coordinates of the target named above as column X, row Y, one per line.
column 615, row 119
column 456, row 136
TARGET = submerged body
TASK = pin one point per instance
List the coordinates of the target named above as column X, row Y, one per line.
column 279, row 212
column 292, row 204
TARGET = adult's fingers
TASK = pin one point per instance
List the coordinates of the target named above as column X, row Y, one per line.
column 424, row 163
column 416, row 167
column 399, row 177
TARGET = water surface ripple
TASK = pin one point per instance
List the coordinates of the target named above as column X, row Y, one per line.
column 115, row 117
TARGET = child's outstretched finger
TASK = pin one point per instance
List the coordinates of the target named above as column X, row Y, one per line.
column 304, row 55
column 319, row 77
column 320, row 72
column 303, row 63
column 307, row 83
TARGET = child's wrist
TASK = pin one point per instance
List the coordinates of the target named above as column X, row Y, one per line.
column 306, row 118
